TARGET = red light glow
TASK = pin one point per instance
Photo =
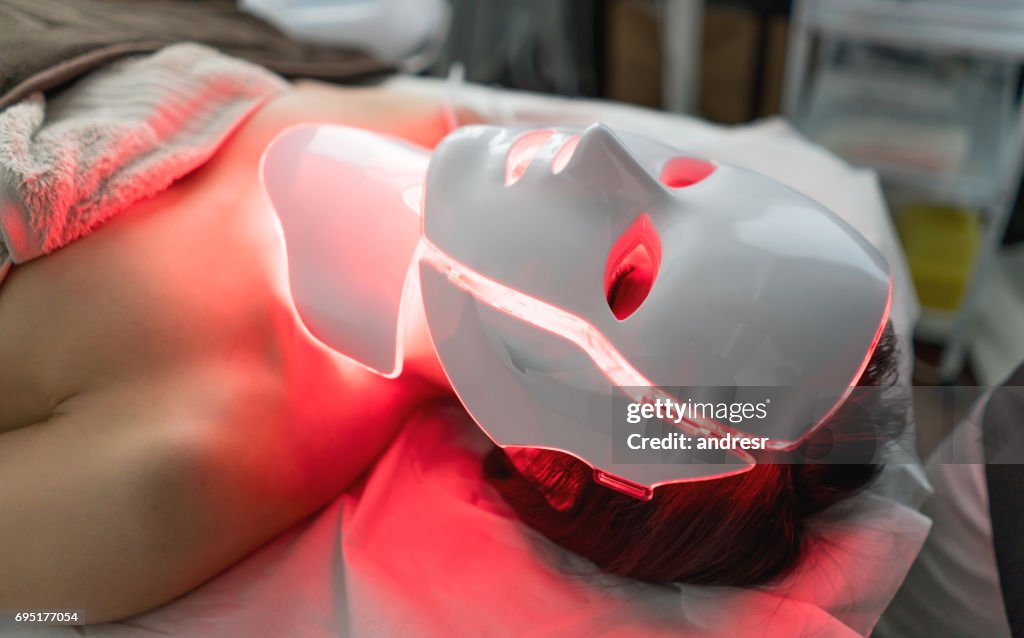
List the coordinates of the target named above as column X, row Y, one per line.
column 632, row 266
column 536, row 312
column 680, row 172
column 612, row 363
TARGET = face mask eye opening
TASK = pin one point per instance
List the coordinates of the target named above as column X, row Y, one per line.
column 522, row 152
column 632, row 267
column 564, row 154
column 680, row 172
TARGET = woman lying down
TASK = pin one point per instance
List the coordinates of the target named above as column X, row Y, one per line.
column 165, row 410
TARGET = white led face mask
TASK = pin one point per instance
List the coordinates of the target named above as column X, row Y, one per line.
column 567, row 274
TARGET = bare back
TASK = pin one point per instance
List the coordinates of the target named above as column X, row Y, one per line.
column 162, row 411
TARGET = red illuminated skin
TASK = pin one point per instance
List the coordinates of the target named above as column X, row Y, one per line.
column 162, row 412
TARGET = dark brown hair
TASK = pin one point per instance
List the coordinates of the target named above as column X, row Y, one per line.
column 741, row 530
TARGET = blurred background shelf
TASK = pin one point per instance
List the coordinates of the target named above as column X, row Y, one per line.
column 944, row 139
column 928, row 94
column 988, row 28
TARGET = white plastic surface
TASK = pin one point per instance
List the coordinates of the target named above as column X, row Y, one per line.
column 348, row 202
column 759, row 295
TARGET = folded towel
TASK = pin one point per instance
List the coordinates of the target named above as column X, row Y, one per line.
column 122, row 133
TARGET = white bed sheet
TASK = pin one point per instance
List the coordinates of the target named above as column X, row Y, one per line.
column 425, row 548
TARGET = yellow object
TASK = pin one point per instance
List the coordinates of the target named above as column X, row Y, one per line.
column 941, row 244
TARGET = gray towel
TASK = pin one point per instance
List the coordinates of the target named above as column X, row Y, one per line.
column 45, row 44
column 118, row 135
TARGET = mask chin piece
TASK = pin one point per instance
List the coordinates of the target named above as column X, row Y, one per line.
column 629, row 488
